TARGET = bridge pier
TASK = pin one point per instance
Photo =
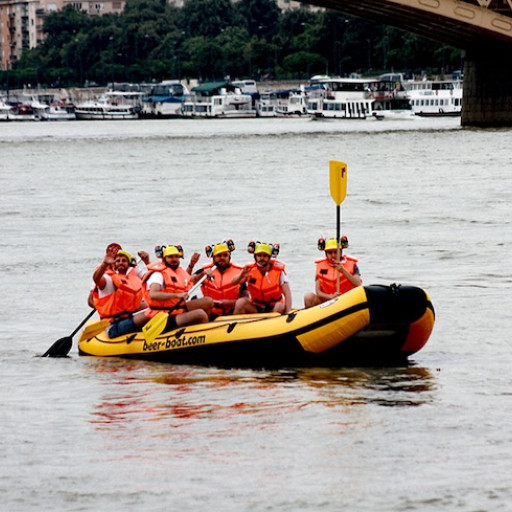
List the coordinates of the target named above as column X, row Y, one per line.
column 487, row 98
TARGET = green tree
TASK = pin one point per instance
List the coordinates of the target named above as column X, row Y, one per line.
column 210, row 39
column 232, row 43
column 207, row 18
column 259, row 17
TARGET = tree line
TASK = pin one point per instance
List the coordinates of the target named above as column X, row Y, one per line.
column 210, row 40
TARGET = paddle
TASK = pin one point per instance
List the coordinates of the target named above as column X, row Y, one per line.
column 338, row 188
column 62, row 346
column 157, row 324
column 93, row 329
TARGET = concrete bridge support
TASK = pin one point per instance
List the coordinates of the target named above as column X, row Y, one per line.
column 487, row 99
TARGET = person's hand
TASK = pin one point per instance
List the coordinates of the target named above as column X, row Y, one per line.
column 144, row 256
column 108, row 260
column 194, row 258
column 111, row 252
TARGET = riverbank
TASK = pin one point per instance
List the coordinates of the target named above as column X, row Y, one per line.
column 81, row 94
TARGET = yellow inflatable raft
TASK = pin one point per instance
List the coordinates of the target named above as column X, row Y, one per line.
column 374, row 324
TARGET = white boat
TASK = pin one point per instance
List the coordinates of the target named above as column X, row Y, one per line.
column 435, row 98
column 219, row 100
column 164, row 100
column 266, row 104
column 105, row 109
column 390, row 98
column 247, row 86
column 5, row 111
column 282, row 103
column 49, row 106
column 339, row 98
column 59, row 111
column 382, row 97
column 20, row 111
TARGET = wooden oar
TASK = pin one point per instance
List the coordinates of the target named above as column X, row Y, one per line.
column 62, row 346
column 156, row 325
column 338, row 188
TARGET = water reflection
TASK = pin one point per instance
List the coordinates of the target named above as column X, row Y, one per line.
column 135, row 392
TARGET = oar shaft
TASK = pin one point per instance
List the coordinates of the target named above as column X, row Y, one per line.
column 338, row 250
column 198, row 284
column 80, row 325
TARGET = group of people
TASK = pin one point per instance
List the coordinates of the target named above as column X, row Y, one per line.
column 130, row 296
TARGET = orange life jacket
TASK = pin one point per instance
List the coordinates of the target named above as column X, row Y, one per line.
column 265, row 289
column 219, row 286
column 124, row 300
column 177, row 281
column 154, row 266
column 327, row 275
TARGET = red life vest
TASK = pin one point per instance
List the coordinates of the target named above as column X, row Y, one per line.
column 124, row 300
column 327, row 275
column 219, row 286
column 265, row 289
column 177, row 281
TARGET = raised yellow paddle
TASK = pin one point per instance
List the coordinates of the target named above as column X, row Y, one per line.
column 338, row 188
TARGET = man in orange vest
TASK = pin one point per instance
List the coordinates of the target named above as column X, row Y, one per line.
column 221, row 272
column 329, row 272
column 165, row 287
column 118, row 293
column 267, row 284
column 110, row 251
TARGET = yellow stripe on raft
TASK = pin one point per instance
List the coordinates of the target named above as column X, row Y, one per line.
column 331, row 334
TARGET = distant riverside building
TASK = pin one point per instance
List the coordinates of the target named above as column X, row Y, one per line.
column 21, row 22
column 284, row 5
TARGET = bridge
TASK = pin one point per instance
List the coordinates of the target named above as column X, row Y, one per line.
column 482, row 28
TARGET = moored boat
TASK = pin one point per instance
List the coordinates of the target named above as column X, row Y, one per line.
column 164, row 100
column 104, row 109
column 282, row 103
column 390, row 98
column 60, row 111
column 374, row 324
column 20, row 111
column 339, row 98
column 435, row 98
column 218, row 100
column 5, row 111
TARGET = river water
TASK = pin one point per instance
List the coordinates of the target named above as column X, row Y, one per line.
column 427, row 204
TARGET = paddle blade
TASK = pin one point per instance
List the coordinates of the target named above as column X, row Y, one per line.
column 93, row 329
column 338, row 180
column 155, row 327
column 60, row 348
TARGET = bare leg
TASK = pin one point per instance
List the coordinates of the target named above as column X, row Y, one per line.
column 311, row 299
column 243, row 306
column 196, row 316
column 204, row 303
column 279, row 308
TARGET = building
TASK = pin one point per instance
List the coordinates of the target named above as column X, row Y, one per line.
column 21, row 22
